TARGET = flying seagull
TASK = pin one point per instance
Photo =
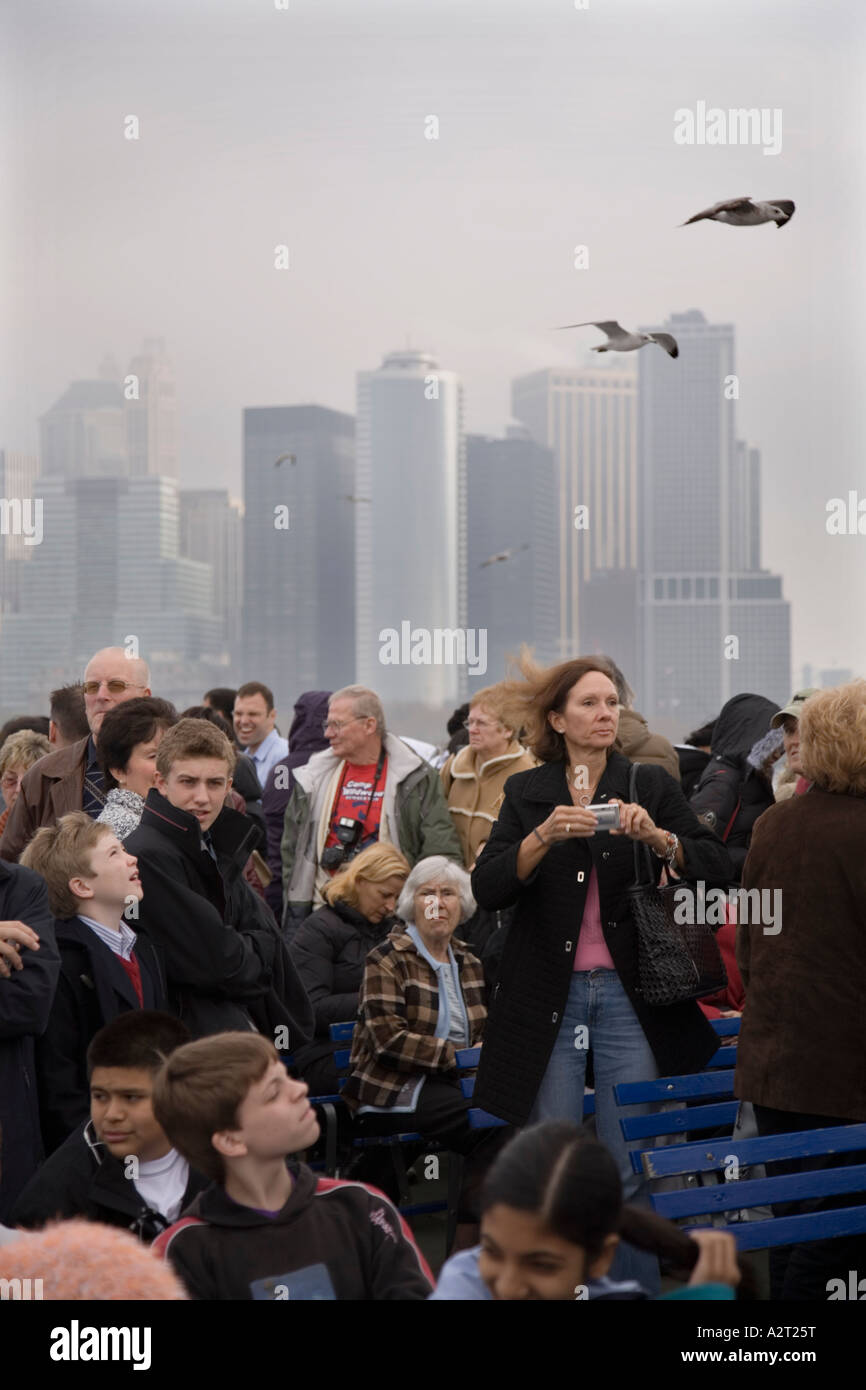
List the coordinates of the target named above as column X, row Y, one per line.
column 502, row 555
column 742, row 212
column 618, row 340
column 291, row 457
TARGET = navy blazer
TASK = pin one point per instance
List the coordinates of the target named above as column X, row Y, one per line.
column 93, row 989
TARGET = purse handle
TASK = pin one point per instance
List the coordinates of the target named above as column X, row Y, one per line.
column 632, row 796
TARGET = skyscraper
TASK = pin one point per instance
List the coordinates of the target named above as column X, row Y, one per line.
column 586, row 415
column 712, row 622
column 108, row 571
column 299, row 550
column 17, row 477
column 149, row 412
column 411, row 525
column 211, row 526
column 511, row 511
column 83, row 434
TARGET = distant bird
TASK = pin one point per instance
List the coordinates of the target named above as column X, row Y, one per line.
column 742, row 212
column 502, row 555
column 291, row 457
column 349, row 497
column 618, row 340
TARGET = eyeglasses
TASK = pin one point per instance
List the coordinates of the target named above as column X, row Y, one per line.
column 480, row 724
column 113, row 687
column 331, row 725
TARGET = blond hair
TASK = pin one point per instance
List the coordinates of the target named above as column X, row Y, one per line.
column 373, row 865
column 833, row 739
column 62, row 852
column 23, row 750
column 496, row 701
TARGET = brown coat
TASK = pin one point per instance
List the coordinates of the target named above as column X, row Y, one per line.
column 801, row 1044
column 640, row 746
column 52, row 787
column 475, row 793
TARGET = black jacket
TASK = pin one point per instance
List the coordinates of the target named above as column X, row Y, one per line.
column 92, row 990
column 25, row 1005
column 330, row 950
column 732, row 793
column 537, row 961
column 83, row 1179
column 221, row 1249
column 225, row 962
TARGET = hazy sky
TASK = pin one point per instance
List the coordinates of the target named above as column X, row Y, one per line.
column 306, row 126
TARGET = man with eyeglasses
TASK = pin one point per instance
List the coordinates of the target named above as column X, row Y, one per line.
column 366, row 786
column 71, row 779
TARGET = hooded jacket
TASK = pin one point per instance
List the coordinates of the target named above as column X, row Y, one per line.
column 475, row 792
column 733, row 790
column 82, row 1178
column 332, row 1240
column 414, row 818
column 634, row 739
column 226, row 966
column 25, row 1006
column 305, row 739
column 92, row 990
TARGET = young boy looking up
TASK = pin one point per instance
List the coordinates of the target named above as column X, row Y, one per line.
column 118, row 1168
column 267, row 1228
column 106, row 967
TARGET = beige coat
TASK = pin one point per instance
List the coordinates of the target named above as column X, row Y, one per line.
column 475, row 793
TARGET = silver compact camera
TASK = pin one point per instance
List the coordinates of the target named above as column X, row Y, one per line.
column 606, row 817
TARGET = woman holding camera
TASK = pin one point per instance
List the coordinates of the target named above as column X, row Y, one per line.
column 568, row 982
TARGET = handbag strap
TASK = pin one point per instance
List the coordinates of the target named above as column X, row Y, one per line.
column 636, row 846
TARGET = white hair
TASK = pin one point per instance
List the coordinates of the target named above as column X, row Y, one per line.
column 436, row 866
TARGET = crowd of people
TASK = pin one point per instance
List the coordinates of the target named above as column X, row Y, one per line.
column 190, row 900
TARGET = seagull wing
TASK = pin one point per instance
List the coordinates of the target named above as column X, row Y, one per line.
column 731, row 205
column 608, row 326
column 666, row 341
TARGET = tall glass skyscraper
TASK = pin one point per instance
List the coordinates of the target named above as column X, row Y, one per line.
column 411, row 524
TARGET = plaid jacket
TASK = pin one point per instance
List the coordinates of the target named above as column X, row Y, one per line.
column 398, row 1008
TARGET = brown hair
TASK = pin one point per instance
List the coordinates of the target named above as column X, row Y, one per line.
column 193, row 738
column 373, row 865
column 243, row 692
column 540, row 691
column 61, row 852
column 201, row 1088
column 833, row 739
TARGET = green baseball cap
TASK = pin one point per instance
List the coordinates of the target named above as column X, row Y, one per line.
column 794, row 706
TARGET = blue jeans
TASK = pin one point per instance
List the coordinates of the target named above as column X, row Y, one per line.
column 598, row 1004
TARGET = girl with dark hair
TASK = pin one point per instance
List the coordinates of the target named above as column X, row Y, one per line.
column 552, row 1217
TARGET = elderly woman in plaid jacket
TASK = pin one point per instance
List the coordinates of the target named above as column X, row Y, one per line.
column 422, row 998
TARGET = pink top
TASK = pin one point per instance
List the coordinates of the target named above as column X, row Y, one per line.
column 592, row 952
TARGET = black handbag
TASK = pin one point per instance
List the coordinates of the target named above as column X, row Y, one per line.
column 676, row 960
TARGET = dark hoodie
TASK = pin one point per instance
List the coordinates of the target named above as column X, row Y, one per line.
column 332, row 1240
column 732, row 789
column 305, row 739
column 82, row 1178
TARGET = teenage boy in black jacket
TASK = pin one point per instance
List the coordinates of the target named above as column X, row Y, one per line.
column 268, row 1229
column 118, row 1168
column 106, row 968
column 226, row 964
